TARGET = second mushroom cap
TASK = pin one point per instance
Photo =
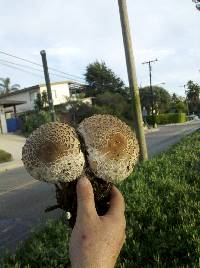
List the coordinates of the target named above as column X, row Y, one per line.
column 111, row 146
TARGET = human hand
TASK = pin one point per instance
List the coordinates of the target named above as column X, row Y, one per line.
column 96, row 241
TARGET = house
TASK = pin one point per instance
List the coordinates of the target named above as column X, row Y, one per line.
column 23, row 100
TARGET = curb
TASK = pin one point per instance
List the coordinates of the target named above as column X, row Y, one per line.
column 10, row 165
column 182, row 124
column 151, row 130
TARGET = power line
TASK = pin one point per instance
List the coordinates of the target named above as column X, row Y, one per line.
column 20, row 69
column 35, row 63
column 18, row 64
column 29, row 67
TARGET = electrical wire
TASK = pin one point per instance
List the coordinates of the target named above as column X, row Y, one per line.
column 29, row 67
column 35, row 63
column 20, row 69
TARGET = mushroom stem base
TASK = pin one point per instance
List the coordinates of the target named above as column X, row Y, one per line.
column 67, row 199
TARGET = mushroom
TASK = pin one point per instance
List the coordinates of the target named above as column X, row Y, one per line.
column 103, row 148
column 52, row 154
column 111, row 147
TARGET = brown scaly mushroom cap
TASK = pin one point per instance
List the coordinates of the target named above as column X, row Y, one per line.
column 112, row 147
column 52, row 153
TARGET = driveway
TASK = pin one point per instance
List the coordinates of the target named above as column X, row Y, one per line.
column 12, row 144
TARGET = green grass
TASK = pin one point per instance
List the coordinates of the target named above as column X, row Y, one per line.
column 4, row 156
column 162, row 211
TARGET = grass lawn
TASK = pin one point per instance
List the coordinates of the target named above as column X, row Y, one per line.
column 162, row 211
column 4, row 156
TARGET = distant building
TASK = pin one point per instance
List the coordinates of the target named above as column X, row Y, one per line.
column 23, row 100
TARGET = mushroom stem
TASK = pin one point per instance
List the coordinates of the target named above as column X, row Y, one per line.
column 67, row 200
column 48, row 209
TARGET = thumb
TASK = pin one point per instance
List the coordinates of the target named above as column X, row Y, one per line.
column 85, row 200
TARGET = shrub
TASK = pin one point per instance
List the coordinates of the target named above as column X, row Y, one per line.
column 162, row 212
column 34, row 120
column 168, row 118
column 4, row 156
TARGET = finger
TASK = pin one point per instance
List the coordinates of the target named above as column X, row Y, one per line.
column 117, row 205
column 85, row 200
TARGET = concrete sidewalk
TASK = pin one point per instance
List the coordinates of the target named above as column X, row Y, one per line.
column 12, row 144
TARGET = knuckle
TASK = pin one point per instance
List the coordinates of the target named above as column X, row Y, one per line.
column 123, row 224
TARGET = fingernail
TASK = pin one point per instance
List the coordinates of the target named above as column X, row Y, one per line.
column 83, row 181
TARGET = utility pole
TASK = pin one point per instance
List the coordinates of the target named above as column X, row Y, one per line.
column 150, row 79
column 130, row 62
column 48, row 85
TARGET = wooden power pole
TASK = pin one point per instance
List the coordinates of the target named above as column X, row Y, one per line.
column 48, row 85
column 150, row 80
column 130, row 62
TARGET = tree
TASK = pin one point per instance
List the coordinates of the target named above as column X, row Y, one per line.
column 44, row 98
column 176, row 98
column 101, row 79
column 41, row 101
column 106, row 103
column 161, row 99
column 6, row 87
column 78, row 110
column 197, row 3
column 38, row 103
column 178, row 104
column 193, row 91
column 111, row 103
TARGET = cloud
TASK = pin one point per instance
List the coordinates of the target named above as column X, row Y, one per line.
column 64, row 51
column 153, row 53
column 75, row 33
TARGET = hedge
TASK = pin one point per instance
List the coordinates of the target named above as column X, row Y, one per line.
column 162, row 211
column 168, row 118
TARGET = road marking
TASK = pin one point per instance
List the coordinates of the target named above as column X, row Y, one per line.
column 19, row 187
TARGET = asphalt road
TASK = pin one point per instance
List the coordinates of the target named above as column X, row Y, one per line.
column 23, row 200
column 167, row 136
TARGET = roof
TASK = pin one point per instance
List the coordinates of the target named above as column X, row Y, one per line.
column 63, row 82
column 37, row 87
column 20, row 91
column 8, row 103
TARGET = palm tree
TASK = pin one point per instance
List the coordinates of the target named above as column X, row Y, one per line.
column 193, row 91
column 193, row 96
column 197, row 3
column 6, row 87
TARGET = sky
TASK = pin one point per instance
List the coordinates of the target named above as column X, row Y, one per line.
column 76, row 33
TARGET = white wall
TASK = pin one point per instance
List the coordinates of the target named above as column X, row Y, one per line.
column 87, row 101
column 3, row 124
column 28, row 97
column 59, row 92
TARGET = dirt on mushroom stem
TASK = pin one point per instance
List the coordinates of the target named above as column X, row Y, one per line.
column 67, row 199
